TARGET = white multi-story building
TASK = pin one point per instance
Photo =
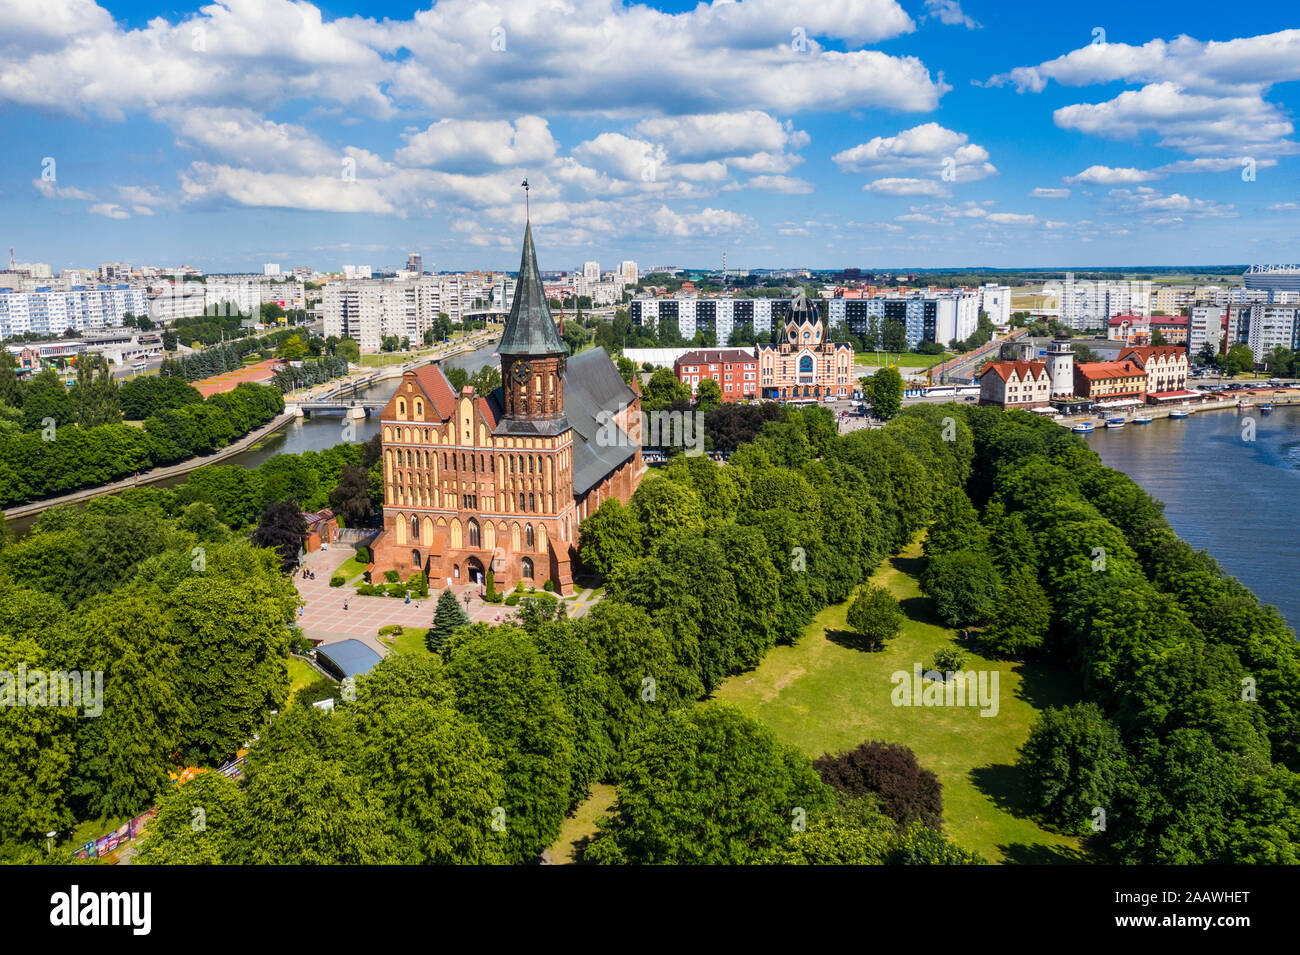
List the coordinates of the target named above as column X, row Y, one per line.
column 169, row 301
column 368, row 311
column 1269, row 327
column 627, row 271
column 271, row 268
column 230, row 297
column 995, row 302
column 1090, row 304
column 50, row 310
column 591, row 272
column 356, row 271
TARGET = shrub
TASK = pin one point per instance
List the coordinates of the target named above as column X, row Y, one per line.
column 338, row 580
column 393, row 628
column 369, row 590
column 549, row 585
column 363, row 554
column 490, row 585
column 889, row 771
column 396, row 590
column 392, row 576
column 513, row 600
column 948, row 659
column 315, row 691
column 519, row 587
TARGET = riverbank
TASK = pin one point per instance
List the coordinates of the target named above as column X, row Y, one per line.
column 1276, row 397
column 154, row 475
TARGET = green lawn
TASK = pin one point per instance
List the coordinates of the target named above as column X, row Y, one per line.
column 905, row 360
column 580, row 825
column 351, row 569
column 300, row 674
column 822, row 696
column 411, row 639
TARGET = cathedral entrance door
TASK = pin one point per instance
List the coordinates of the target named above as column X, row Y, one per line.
column 475, row 568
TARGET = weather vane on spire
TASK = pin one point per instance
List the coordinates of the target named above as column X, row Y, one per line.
column 527, row 212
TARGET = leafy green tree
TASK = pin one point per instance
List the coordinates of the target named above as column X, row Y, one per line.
column 1073, row 762
column 851, row 832
column 448, row 617
column 1022, row 617
column 94, row 393
column 965, row 587
column 921, row 845
column 349, row 351
column 44, row 396
column 350, row 500
column 661, row 506
column 884, row 390
column 505, row 685
column 610, row 537
column 198, row 823
column 708, row 395
column 707, row 785
column 874, row 617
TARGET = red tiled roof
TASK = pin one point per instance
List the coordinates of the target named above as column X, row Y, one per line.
column 1145, row 352
column 1169, row 319
column 438, row 388
column 714, row 356
column 1023, row 369
column 1096, row 370
column 1129, row 318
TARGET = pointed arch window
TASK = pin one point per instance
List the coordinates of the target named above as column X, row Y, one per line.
column 474, row 537
column 415, row 527
column 527, row 568
column 529, row 538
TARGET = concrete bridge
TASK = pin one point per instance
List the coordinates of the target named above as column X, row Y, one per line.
column 344, row 407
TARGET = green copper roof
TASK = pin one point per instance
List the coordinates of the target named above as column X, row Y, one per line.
column 530, row 330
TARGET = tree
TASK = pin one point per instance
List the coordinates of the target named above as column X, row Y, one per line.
column 708, row 395
column 45, row 397
column 889, row 771
column 884, row 390
column 448, row 617
column 292, row 348
column 662, row 506
column 875, row 617
column 965, row 587
column 349, row 351
column 921, row 845
column 1023, row 614
column 505, row 685
column 1073, row 762
column 609, row 538
column 351, row 499
column 283, row 527
column 706, row 785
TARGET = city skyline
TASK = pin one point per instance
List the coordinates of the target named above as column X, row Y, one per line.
column 874, row 134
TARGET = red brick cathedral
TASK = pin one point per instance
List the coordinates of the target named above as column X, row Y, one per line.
column 503, row 480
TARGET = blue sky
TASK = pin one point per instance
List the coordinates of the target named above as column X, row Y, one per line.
column 821, row 133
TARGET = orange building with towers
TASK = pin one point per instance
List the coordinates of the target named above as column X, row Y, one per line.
column 502, row 481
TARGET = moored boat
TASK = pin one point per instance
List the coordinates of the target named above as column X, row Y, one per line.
column 1265, row 407
column 1115, row 422
column 1179, row 413
column 1142, row 419
column 1083, row 427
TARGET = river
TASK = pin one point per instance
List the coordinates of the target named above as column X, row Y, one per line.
column 1222, row 492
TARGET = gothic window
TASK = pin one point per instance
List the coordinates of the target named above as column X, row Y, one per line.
column 528, row 568
column 532, row 502
column 473, row 533
column 415, row 527
column 521, row 501
column 529, row 537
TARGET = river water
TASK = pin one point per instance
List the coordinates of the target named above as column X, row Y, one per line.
column 325, row 431
column 1225, row 490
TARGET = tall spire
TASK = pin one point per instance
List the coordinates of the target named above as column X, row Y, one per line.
column 530, row 329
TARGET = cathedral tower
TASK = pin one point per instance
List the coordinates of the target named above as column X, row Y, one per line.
column 532, row 352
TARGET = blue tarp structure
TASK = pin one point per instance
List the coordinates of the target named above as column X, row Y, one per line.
column 346, row 658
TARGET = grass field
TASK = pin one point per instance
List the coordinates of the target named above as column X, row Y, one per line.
column 410, row 640
column 351, row 569
column 822, row 696
column 904, row 360
column 300, row 674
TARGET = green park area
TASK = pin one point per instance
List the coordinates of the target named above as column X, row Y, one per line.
column 909, row 359
column 824, row 696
